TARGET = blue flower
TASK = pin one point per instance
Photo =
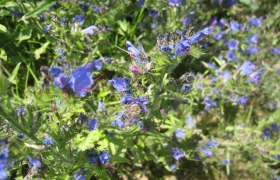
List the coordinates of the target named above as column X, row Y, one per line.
column 92, row 124
column 219, row 35
column 34, row 163
column 207, row 152
column 199, row 86
column 182, row 47
column 225, row 75
column 104, row 157
column 200, row 35
column 232, row 44
column 211, row 144
column 266, row 133
column 275, row 127
column 252, row 50
column 256, row 22
column 120, row 84
column 252, row 39
column 126, row 99
column 242, row 100
column 141, row 125
column 55, row 71
column 3, row 174
column 80, row 18
column 78, row 176
column 275, row 50
column 101, row 106
column 174, row 2
column 85, row 6
column 186, row 21
column 60, row 81
column 190, row 122
column 226, row 162
column 47, row 28
column 63, row 22
column 172, row 167
column 48, row 141
column 81, row 78
column 247, row 68
column 255, row 76
column 180, row 134
column 141, row 100
column 152, row 13
column 186, row 87
column 90, row 30
column 42, row 17
column 234, row 26
column 141, row 2
column 177, row 154
column 209, row 103
column 21, row 111
column 133, row 120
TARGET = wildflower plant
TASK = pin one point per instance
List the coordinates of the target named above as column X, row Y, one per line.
column 125, row 89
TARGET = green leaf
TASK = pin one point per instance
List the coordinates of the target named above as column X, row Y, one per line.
column 13, row 76
column 85, row 143
column 253, row 6
column 3, row 54
column 196, row 52
column 38, row 10
column 3, row 29
column 102, row 94
column 41, row 50
column 25, row 34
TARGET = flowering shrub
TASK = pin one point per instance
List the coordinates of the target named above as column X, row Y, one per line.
column 139, row 89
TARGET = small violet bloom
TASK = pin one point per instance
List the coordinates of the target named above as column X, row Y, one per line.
column 78, row 176
column 80, row 18
column 92, row 125
column 255, row 76
column 252, row 39
column 174, row 2
column 34, row 163
column 177, row 154
column 48, row 141
column 232, row 44
column 275, row 50
column 91, row 30
column 256, row 22
column 226, row 162
column 104, row 157
column 242, row 100
column 247, row 68
column 180, row 134
column 252, row 50
column 266, row 133
column 21, row 111
column 234, row 26
column 190, row 122
column 219, row 35
column 120, row 84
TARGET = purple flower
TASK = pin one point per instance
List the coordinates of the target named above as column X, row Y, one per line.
column 152, row 13
column 211, row 65
column 225, row 75
column 126, row 99
column 172, row 167
column 226, row 162
column 78, row 176
column 190, row 122
column 63, row 22
column 120, row 84
column 186, row 21
column 256, row 22
column 242, row 100
column 247, row 68
column 219, row 35
column 3, row 174
column 234, row 26
column 92, row 125
column 182, row 47
column 143, row 101
column 252, row 39
column 48, row 141
column 255, row 76
column 141, row 2
column 231, row 56
column 199, row 86
column 209, row 103
column 60, row 81
column 85, row 6
column 90, row 30
column 207, row 152
column 21, row 111
column 104, row 157
column 47, row 28
column 180, row 134
column 55, row 71
column 252, row 50
column 42, row 17
column 101, row 107
column 275, row 50
column 177, row 154
column 174, row 2
column 275, row 127
column 133, row 52
column 186, row 87
column 34, row 163
column 200, row 35
column 266, row 133
column 211, row 144
column 232, row 44
column 80, row 18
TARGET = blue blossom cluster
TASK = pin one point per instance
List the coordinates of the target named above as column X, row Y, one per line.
column 80, row 79
column 103, row 157
column 269, row 131
column 206, row 149
column 4, row 154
